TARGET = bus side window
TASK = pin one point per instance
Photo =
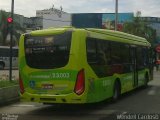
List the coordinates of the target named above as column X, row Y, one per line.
column 140, row 58
column 108, row 52
column 97, row 56
column 120, row 58
column 115, row 53
column 91, row 51
column 125, row 57
column 101, row 56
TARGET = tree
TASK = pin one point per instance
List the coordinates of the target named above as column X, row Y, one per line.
column 5, row 29
column 140, row 28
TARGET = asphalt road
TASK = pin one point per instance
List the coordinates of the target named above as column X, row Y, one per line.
column 138, row 103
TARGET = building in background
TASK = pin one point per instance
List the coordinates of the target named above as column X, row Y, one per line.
column 87, row 20
column 27, row 23
column 54, row 17
column 100, row 20
column 50, row 11
column 56, row 20
column 31, row 23
column 37, row 23
column 108, row 20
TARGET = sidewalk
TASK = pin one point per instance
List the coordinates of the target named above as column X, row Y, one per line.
column 4, row 74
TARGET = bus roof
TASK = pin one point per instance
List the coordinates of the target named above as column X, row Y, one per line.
column 49, row 31
column 128, row 37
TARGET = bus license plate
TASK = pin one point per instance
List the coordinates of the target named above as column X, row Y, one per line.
column 47, row 86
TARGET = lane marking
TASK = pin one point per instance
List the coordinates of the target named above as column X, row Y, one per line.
column 23, row 105
column 123, row 113
column 103, row 112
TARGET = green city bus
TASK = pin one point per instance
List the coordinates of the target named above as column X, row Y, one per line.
column 71, row 65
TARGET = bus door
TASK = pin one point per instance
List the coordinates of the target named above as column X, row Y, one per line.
column 134, row 66
column 151, row 57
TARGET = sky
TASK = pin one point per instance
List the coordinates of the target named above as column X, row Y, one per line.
column 148, row 8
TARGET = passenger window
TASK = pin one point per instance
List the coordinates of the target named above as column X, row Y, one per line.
column 91, row 51
column 98, row 56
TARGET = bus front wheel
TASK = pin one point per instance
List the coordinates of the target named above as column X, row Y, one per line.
column 116, row 91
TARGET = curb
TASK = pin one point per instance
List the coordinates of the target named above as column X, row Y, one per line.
column 9, row 95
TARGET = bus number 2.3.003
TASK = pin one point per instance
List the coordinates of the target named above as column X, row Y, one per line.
column 60, row 75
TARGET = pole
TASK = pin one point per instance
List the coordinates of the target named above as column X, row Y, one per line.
column 11, row 40
column 116, row 14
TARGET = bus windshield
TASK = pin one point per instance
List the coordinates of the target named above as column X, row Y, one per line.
column 47, row 52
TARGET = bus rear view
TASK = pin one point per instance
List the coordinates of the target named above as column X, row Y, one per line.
column 47, row 73
column 71, row 65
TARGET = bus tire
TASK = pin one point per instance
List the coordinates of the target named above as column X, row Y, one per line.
column 146, row 80
column 1, row 65
column 116, row 91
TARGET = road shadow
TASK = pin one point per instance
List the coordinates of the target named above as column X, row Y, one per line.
column 128, row 102
column 140, row 100
column 68, row 109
